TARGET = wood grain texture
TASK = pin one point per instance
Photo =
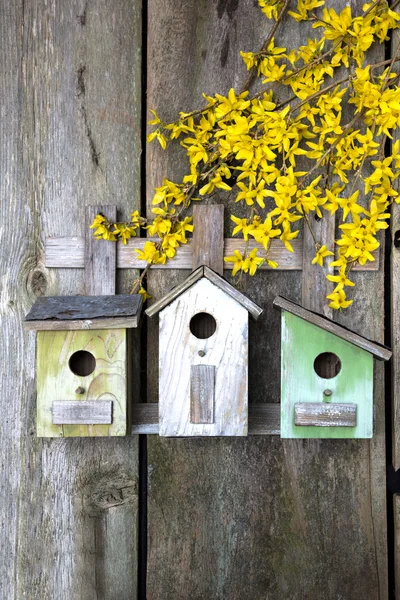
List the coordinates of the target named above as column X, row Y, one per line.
column 68, row 253
column 395, row 318
column 378, row 350
column 202, row 387
column 264, row 419
column 207, row 274
column 312, row 503
column 396, row 525
column 68, row 308
column 208, row 237
column 56, row 379
column 99, row 255
column 302, row 343
column 83, row 412
column 68, row 507
column 83, row 324
column 325, row 415
column 226, row 351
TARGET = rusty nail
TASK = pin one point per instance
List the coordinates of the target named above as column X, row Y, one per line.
column 79, row 390
column 202, row 353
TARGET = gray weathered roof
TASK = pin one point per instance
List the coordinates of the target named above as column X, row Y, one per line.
column 217, row 280
column 84, row 312
column 381, row 352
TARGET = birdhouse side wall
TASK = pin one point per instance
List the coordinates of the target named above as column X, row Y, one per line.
column 56, row 381
column 226, row 350
column 302, row 342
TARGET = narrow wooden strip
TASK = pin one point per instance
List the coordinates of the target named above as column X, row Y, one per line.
column 68, row 253
column 379, row 351
column 208, row 237
column 202, row 386
column 81, row 324
column 314, row 284
column 82, row 412
column 395, row 332
column 396, row 523
column 325, row 414
column 99, row 255
column 264, row 419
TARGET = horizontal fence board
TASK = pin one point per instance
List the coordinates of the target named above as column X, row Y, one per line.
column 264, row 419
column 81, row 412
column 68, row 252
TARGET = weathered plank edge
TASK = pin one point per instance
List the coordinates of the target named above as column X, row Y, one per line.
column 378, row 350
column 208, row 238
column 78, row 325
column 82, row 412
column 254, row 310
column 68, row 253
column 264, row 419
column 320, row 414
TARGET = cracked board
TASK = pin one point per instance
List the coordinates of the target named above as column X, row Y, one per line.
column 70, row 505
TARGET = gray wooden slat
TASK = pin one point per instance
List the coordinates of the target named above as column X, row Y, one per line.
column 97, row 252
column 110, row 323
column 68, row 253
column 378, row 350
column 208, row 237
column 70, row 87
column 82, row 412
column 264, row 419
column 324, row 414
column 202, row 387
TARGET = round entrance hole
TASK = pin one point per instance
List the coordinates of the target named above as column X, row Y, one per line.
column 327, row 365
column 203, row 325
column 82, row 363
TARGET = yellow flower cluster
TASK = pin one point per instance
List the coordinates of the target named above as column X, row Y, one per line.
column 283, row 162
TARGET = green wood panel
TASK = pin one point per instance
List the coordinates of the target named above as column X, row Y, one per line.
column 302, row 342
column 56, row 381
column 70, row 89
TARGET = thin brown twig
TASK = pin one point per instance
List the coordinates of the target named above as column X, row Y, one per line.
column 252, row 73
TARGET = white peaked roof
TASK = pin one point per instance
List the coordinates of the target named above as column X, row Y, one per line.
column 217, row 280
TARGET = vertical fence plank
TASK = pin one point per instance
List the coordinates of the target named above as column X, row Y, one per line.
column 70, row 136
column 254, row 518
column 395, row 343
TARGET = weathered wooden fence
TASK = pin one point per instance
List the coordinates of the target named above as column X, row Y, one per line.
column 219, row 518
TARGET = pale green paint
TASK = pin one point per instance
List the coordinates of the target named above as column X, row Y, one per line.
column 302, row 342
column 55, row 380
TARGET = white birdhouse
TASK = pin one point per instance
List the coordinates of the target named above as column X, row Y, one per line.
column 203, row 357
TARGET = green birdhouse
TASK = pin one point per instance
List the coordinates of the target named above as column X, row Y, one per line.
column 84, row 363
column 326, row 376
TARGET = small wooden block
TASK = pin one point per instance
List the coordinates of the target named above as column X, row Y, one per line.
column 208, row 237
column 325, row 414
column 66, row 412
column 202, row 386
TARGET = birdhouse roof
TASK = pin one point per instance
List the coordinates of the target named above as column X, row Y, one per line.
column 379, row 350
column 84, row 312
column 217, row 280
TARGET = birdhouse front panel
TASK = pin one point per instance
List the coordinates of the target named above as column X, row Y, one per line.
column 203, row 364
column 82, row 383
column 326, row 385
